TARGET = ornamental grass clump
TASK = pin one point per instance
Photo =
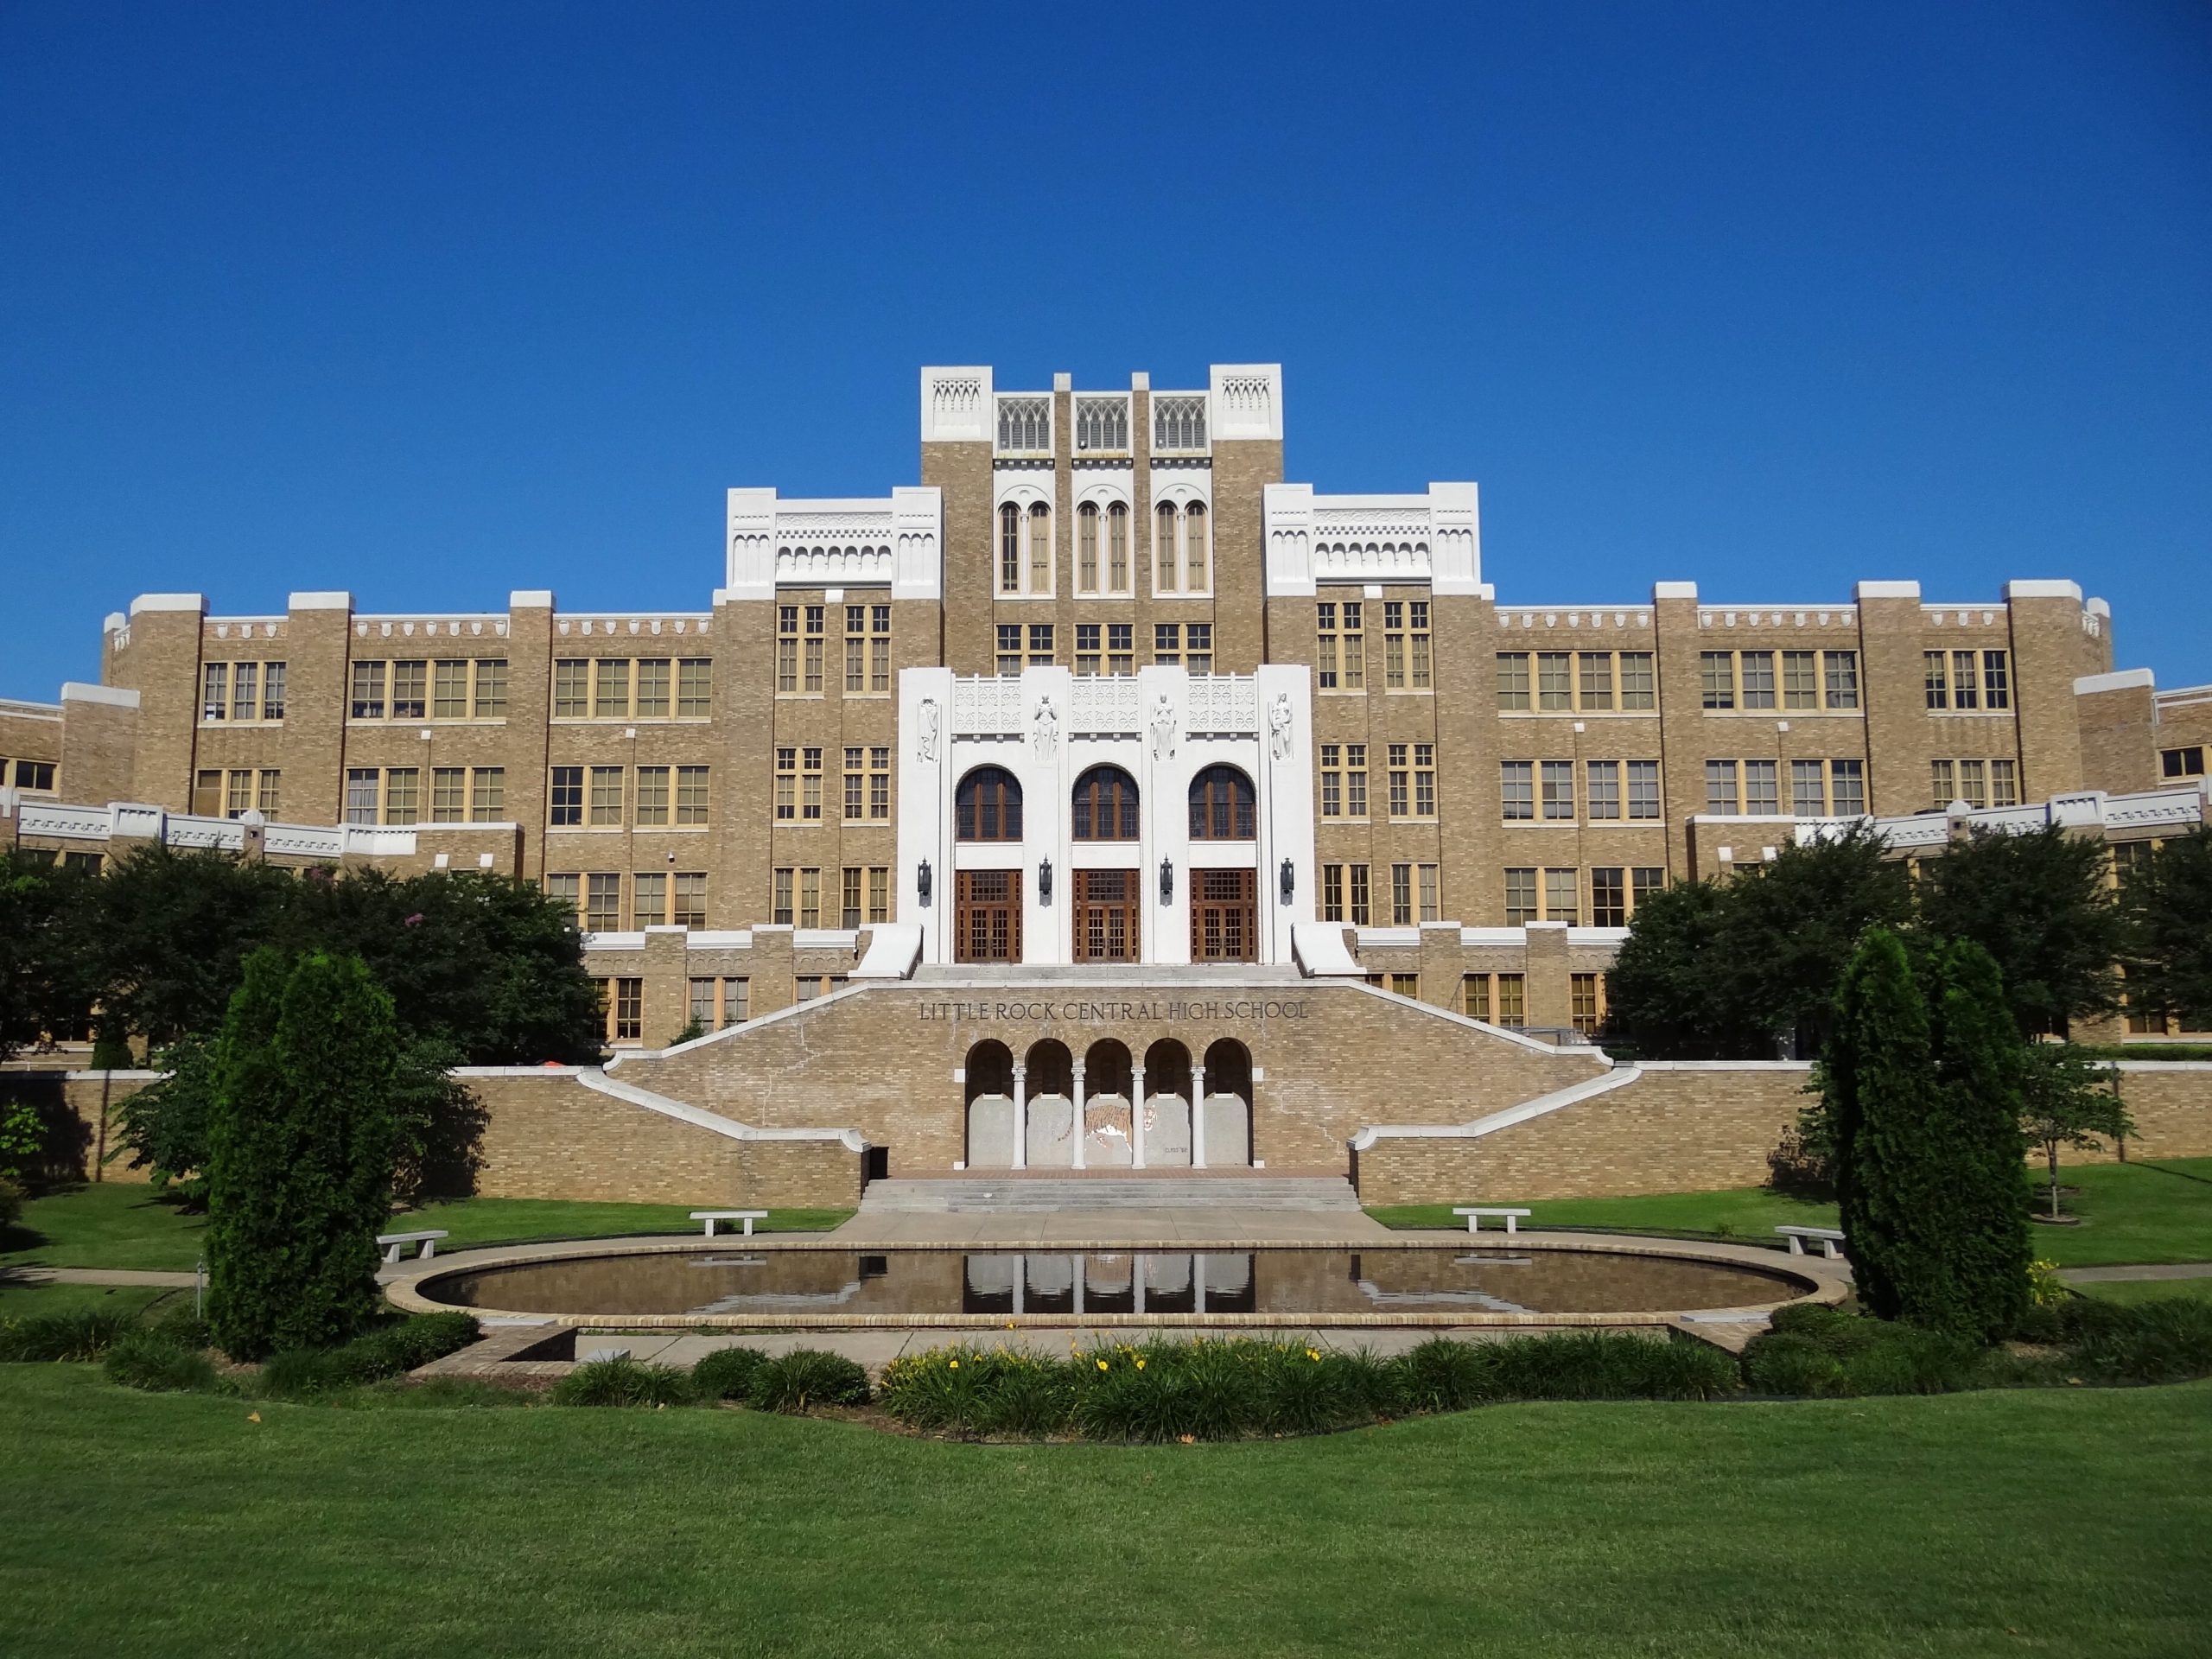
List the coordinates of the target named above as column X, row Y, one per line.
column 725, row 1374
column 1824, row 1353
column 975, row 1391
column 393, row 1350
column 807, row 1378
column 1593, row 1365
column 158, row 1364
column 622, row 1383
column 83, row 1336
column 2165, row 1341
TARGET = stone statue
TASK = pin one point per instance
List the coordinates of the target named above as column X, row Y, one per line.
column 1045, row 728
column 1163, row 727
column 1278, row 723
column 925, row 721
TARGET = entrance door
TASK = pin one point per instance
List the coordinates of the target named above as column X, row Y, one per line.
column 1106, row 916
column 1224, row 917
column 987, row 916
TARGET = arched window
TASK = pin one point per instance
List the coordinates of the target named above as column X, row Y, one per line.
column 1221, row 805
column 1196, row 577
column 1163, row 548
column 1086, row 548
column 1041, row 548
column 1117, row 549
column 1105, row 807
column 988, row 806
column 1009, row 548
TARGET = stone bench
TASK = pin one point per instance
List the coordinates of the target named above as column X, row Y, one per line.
column 1831, row 1241
column 1474, row 1216
column 395, row 1243
column 710, row 1217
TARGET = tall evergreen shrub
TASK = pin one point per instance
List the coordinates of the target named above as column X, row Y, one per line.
column 1979, row 1060
column 300, row 1145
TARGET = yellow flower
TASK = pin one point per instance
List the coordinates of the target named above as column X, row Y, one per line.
column 1312, row 1353
column 1101, row 1365
column 1139, row 1365
column 954, row 1363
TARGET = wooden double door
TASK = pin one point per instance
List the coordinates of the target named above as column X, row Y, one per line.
column 1224, row 916
column 1107, row 910
column 987, row 916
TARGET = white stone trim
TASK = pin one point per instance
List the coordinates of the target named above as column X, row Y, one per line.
column 2043, row 589
column 114, row 695
column 1866, row 591
column 2126, row 679
column 594, row 1078
column 1543, row 1104
column 169, row 602
column 327, row 601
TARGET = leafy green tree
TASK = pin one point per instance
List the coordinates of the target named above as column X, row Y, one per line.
column 1662, row 989
column 44, row 981
column 300, row 1148
column 2038, row 902
column 164, row 1126
column 1979, row 1058
column 2070, row 1099
column 165, row 935
column 22, row 1137
column 2167, row 900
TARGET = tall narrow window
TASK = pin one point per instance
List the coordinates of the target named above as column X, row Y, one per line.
column 1558, row 791
column 1848, row 791
column 1842, row 669
column 362, row 796
column 368, row 691
column 1198, row 550
column 1608, row 897
column 691, row 794
column 1554, row 680
column 1432, row 904
column 855, row 783
column 491, row 690
column 1197, row 647
column 787, row 785
column 245, row 701
column 1639, row 684
column 1121, row 649
column 408, row 683
column 1117, row 549
column 1807, row 798
column 1517, row 790
column 1643, row 789
column 652, row 794
column 1761, row 788
column 1597, row 672
column 1086, row 548
column 1324, row 646
column 1563, row 896
column 648, row 899
column 1401, row 895
column 812, row 678
column 786, row 647
column 1996, row 680
column 809, row 807
column 1333, row 780
column 449, row 794
column 1163, row 548
column 1088, row 657
column 606, row 795
column 1757, row 668
column 1010, row 652
column 1040, row 644
column 272, row 690
column 2004, row 783
column 1423, row 780
column 1394, row 646
column 1360, row 909
column 1720, row 787
column 879, row 648
column 1935, row 673
column 1417, row 611
column 1521, row 898
column 1966, row 681
column 1513, row 679
column 449, row 689
column 487, row 795
column 1717, row 679
column 566, row 800
column 1009, row 548
column 1602, row 779
column 1168, row 644
column 1800, row 684
column 1354, row 647
column 1332, row 892
column 571, row 688
column 1400, row 779
column 1041, row 548
column 855, row 648
column 1355, row 780
column 694, row 687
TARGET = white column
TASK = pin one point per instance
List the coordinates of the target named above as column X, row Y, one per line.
column 1136, row 1116
column 1199, row 1284
column 1020, row 1116
column 1079, row 1282
column 1077, row 1159
column 1021, row 1280
column 1197, row 1115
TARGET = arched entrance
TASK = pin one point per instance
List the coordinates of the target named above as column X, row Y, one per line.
column 1106, row 1105
column 1228, row 1113
column 1048, row 1073
column 989, row 1106
column 1164, row 1126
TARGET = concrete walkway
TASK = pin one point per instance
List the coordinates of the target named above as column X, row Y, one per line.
column 1161, row 1226
column 94, row 1276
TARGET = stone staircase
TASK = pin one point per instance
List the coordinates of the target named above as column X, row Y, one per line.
column 1010, row 1194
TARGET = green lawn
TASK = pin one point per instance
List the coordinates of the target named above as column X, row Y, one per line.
column 2132, row 1213
column 113, row 1224
column 36, row 1301
column 176, row 1526
column 2132, row 1291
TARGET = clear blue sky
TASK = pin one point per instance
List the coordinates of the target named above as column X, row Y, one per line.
column 433, row 301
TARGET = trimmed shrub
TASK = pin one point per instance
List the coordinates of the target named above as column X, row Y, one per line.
column 1579, row 1366
column 181, row 1325
column 727, row 1373
column 1822, row 1353
column 964, row 1390
column 1795, row 1365
column 80, row 1337
column 303, row 1373
column 804, row 1377
column 420, row 1337
column 622, row 1383
column 148, row 1361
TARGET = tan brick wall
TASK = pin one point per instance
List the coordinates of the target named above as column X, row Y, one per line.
column 79, row 1109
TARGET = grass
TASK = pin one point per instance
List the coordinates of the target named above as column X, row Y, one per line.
column 1845, row 1529
column 115, row 1224
column 2135, row 1212
column 35, row 1301
column 2133, row 1293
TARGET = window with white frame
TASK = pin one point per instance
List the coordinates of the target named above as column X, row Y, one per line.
column 1182, row 548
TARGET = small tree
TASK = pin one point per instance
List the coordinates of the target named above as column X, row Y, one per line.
column 2070, row 1099
column 1984, row 1216
column 2167, row 900
column 301, row 1146
column 2039, row 904
column 165, row 1125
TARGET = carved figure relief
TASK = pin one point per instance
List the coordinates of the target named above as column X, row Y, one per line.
column 1045, row 728
column 925, row 725
column 1163, row 727
column 1278, row 724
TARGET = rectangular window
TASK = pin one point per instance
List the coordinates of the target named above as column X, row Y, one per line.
column 1121, row 649
column 737, row 1002
column 1332, row 892
column 1597, row 679
column 1355, row 780
column 363, row 793
column 879, row 648
column 1324, row 646
column 1010, row 652
column 1717, row 678
column 1517, row 790
column 1643, row 881
column 1401, row 895
column 245, row 701
column 1762, row 788
column 367, row 701
column 813, row 642
column 1847, row 793
column 1353, row 642
column 809, row 795
column 1582, row 1002
column 652, row 794
column 1973, row 784
column 214, row 700
column 1643, row 789
column 1512, row 1001
column 1800, row 680
column 856, row 649
column 491, row 688
column 810, row 897
column 1639, row 681
column 878, row 783
column 850, row 892
column 1359, row 906
column 781, row 904
column 1040, row 644
column 787, row 785
column 1474, row 996
column 1405, row 985
column 606, row 795
column 267, row 797
column 1167, row 643
column 410, row 682
column 1431, row 900
column 2181, row 763
column 450, row 688
column 648, row 899
column 1943, row 783
column 787, row 648
column 1563, row 896
column 1757, row 678
column 691, row 794
column 1089, row 659
column 1608, row 897
column 1197, row 647
column 694, row 688
column 1394, row 646
column 567, row 800
column 1996, row 680
column 238, row 794
column 602, row 904
column 1521, row 898
column 1808, row 799
column 571, row 688
column 702, row 1004
column 1554, row 679
column 1513, row 679
column 1935, row 676
column 272, row 691
column 1418, row 638
column 1423, row 780
column 652, row 687
column 1602, row 778
column 1558, row 779
column 1843, row 679
column 449, row 794
column 38, row 775
column 1965, row 680
column 855, row 783
column 2004, row 784
column 487, row 800
column 1720, row 787
column 1333, row 780
column 1400, row 778
column 610, row 689
column 567, row 891
column 879, row 894
column 629, row 1010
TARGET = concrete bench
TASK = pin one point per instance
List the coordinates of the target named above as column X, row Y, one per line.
column 1474, row 1217
column 1831, row 1241
column 710, row 1217
column 395, row 1243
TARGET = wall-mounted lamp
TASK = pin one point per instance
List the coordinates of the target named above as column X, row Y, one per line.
column 1043, row 880
column 1167, row 882
column 922, row 883
column 1289, row 881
